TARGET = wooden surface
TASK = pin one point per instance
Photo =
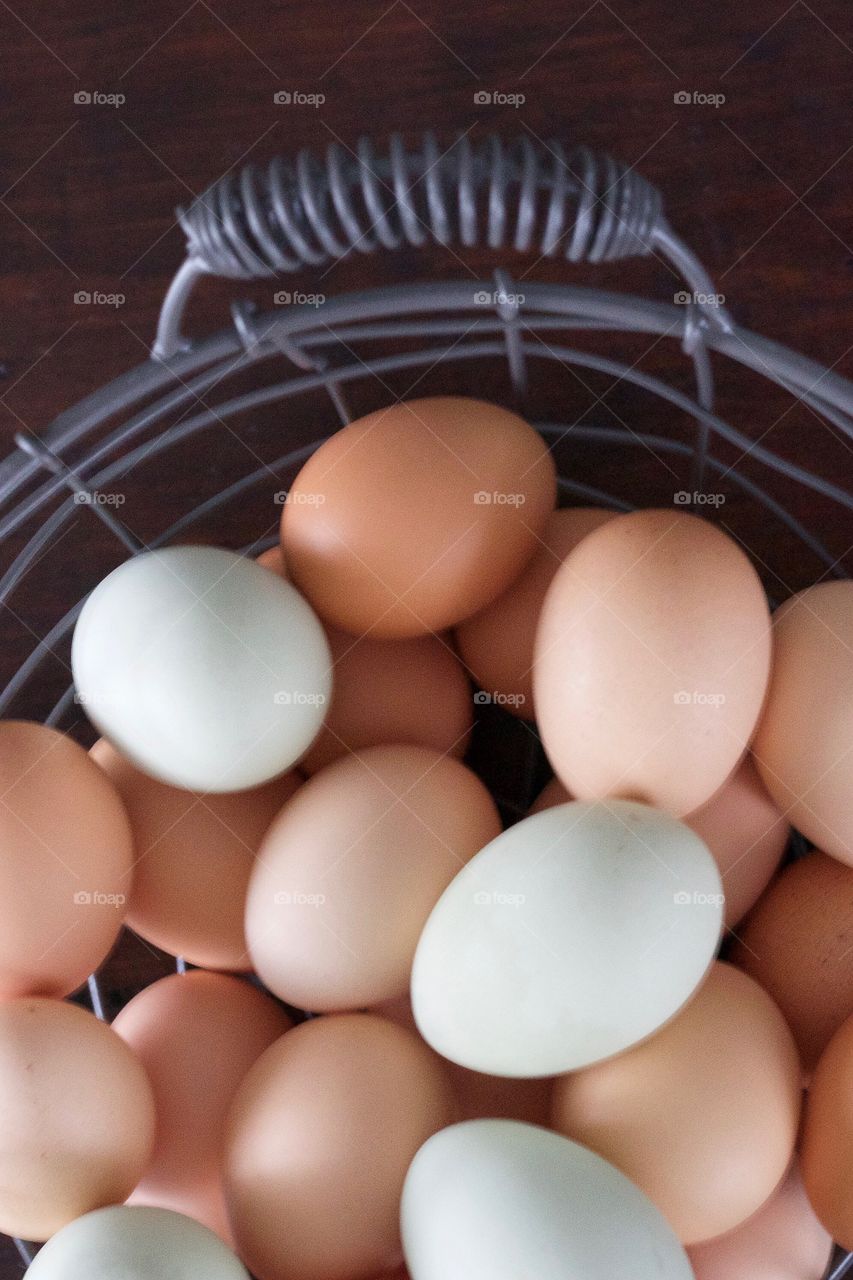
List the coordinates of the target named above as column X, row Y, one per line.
column 759, row 184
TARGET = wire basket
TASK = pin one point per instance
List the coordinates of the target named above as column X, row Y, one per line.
column 177, row 414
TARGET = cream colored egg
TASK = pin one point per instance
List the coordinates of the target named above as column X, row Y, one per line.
column 203, row 668
column 499, row 1200
column 123, row 1243
column 576, row 933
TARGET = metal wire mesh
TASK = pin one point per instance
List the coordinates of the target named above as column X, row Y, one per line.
column 565, row 202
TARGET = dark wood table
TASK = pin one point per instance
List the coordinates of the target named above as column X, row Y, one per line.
column 115, row 113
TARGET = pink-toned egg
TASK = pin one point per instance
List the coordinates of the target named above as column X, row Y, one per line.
column 197, row 1034
column 497, row 643
column 194, row 857
column 651, row 661
column 782, row 1241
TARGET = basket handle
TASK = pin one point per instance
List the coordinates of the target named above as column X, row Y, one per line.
column 530, row 196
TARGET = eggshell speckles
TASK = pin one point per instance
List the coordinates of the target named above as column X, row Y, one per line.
column 651, row 661
column 76, row 1116
column 418, row 515
column 573, row 935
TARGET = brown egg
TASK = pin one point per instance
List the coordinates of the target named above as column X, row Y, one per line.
column 194, row 856
column 827, row 1154
column 703, row 1116
column 412, row 690
column 320, row 1138
column 798, row 943
column 804, row 743
column 553, row 793
column 497, row 643
column 418, row 515
column 351, row 868
column 782, row 1241
column 76, row 1119
column 479, row 1096
column 66, row 867
column 747, row 836
column 272, row 559
column 196, row 1034
column 651, row 661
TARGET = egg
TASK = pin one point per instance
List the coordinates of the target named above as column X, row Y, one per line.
column 417, row 516
column 121, row 1243
column 480, row 1096
column 413, row 690
column 741, row 826
column 827, row 1153
column 67, row 862
column 498, row 1200
column 651, row 661
column 194, row 856
column 497, row 643
column 702, row 1116
column 320, row 1137
column 804, row 743
column 798, row 943
column 76, row 1116
column 570, row 937
column 272, row 559
column 351, row 868
column 782, row 1241
column 196, row 1034
column 203, row 668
